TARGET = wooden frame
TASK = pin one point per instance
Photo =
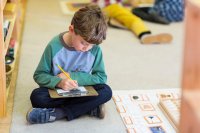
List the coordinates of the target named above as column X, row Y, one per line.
column 190, row 109
column 14, row 31
column 2, row 66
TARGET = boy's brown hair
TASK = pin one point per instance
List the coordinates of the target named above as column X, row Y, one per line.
column 90, row 23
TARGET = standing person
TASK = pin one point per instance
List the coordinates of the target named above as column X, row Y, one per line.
column 78, row 53
column 114, row 10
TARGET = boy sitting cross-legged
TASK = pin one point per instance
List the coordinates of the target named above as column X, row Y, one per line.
column 78, row 53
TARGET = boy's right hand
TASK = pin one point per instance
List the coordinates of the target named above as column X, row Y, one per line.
column 67, row 84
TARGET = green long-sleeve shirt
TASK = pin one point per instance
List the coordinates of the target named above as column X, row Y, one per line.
column 85, row 67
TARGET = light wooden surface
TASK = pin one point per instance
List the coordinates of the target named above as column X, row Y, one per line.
column 2, row 67
column 190, row 109
column 12, row 33
column 3, row 3
column 6, row 121
column 195, row 2
column 190, row 112
column 171, row 108
column 191, row 66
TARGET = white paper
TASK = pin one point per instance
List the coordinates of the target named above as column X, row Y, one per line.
column 80, row 88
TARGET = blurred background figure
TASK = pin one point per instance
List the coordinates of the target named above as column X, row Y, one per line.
column 115, row 10
column 163, row 11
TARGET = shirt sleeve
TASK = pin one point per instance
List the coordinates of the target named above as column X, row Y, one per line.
column 43, row 75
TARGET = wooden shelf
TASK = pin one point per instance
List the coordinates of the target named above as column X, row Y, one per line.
column 192, row 97
column 12, row 65
column 190, row 112
column 10, row 31
column 4, row 3
column 14, row 12
column 195, row 2
column 190, row 109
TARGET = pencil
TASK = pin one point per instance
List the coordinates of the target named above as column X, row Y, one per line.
column 66, row 74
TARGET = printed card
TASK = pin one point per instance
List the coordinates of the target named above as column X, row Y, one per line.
column 147, row 107
column 157, row 129
column 152, row 119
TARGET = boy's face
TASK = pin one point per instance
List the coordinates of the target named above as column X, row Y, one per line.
column 78, row 42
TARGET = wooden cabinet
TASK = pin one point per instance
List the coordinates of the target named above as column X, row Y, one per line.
column 190, row 107
column 11, row 12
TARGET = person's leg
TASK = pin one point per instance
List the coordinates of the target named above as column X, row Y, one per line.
column 45, row 106
column 149, row 14
column 40, row 98
column 45, row 109
column 82, row 105
column 135, row 24
column 172, row 10
column 125, row 17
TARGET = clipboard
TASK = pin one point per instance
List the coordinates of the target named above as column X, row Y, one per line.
column 90, row 89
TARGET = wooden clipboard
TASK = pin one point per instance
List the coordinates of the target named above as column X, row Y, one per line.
column 90, row 89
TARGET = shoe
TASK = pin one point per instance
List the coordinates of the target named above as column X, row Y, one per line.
column 102, row 111
column 98, row 111
column 163, row 38
column 149, row 14
column 40, row 115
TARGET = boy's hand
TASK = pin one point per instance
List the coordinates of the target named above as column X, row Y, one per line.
column 67, row 84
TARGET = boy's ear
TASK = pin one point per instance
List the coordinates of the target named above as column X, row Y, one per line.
column 71, row 28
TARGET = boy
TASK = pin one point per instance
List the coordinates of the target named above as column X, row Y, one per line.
column 114, row 10
column 78, row 53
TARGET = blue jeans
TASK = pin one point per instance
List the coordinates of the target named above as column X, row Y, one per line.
column 74, row 107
